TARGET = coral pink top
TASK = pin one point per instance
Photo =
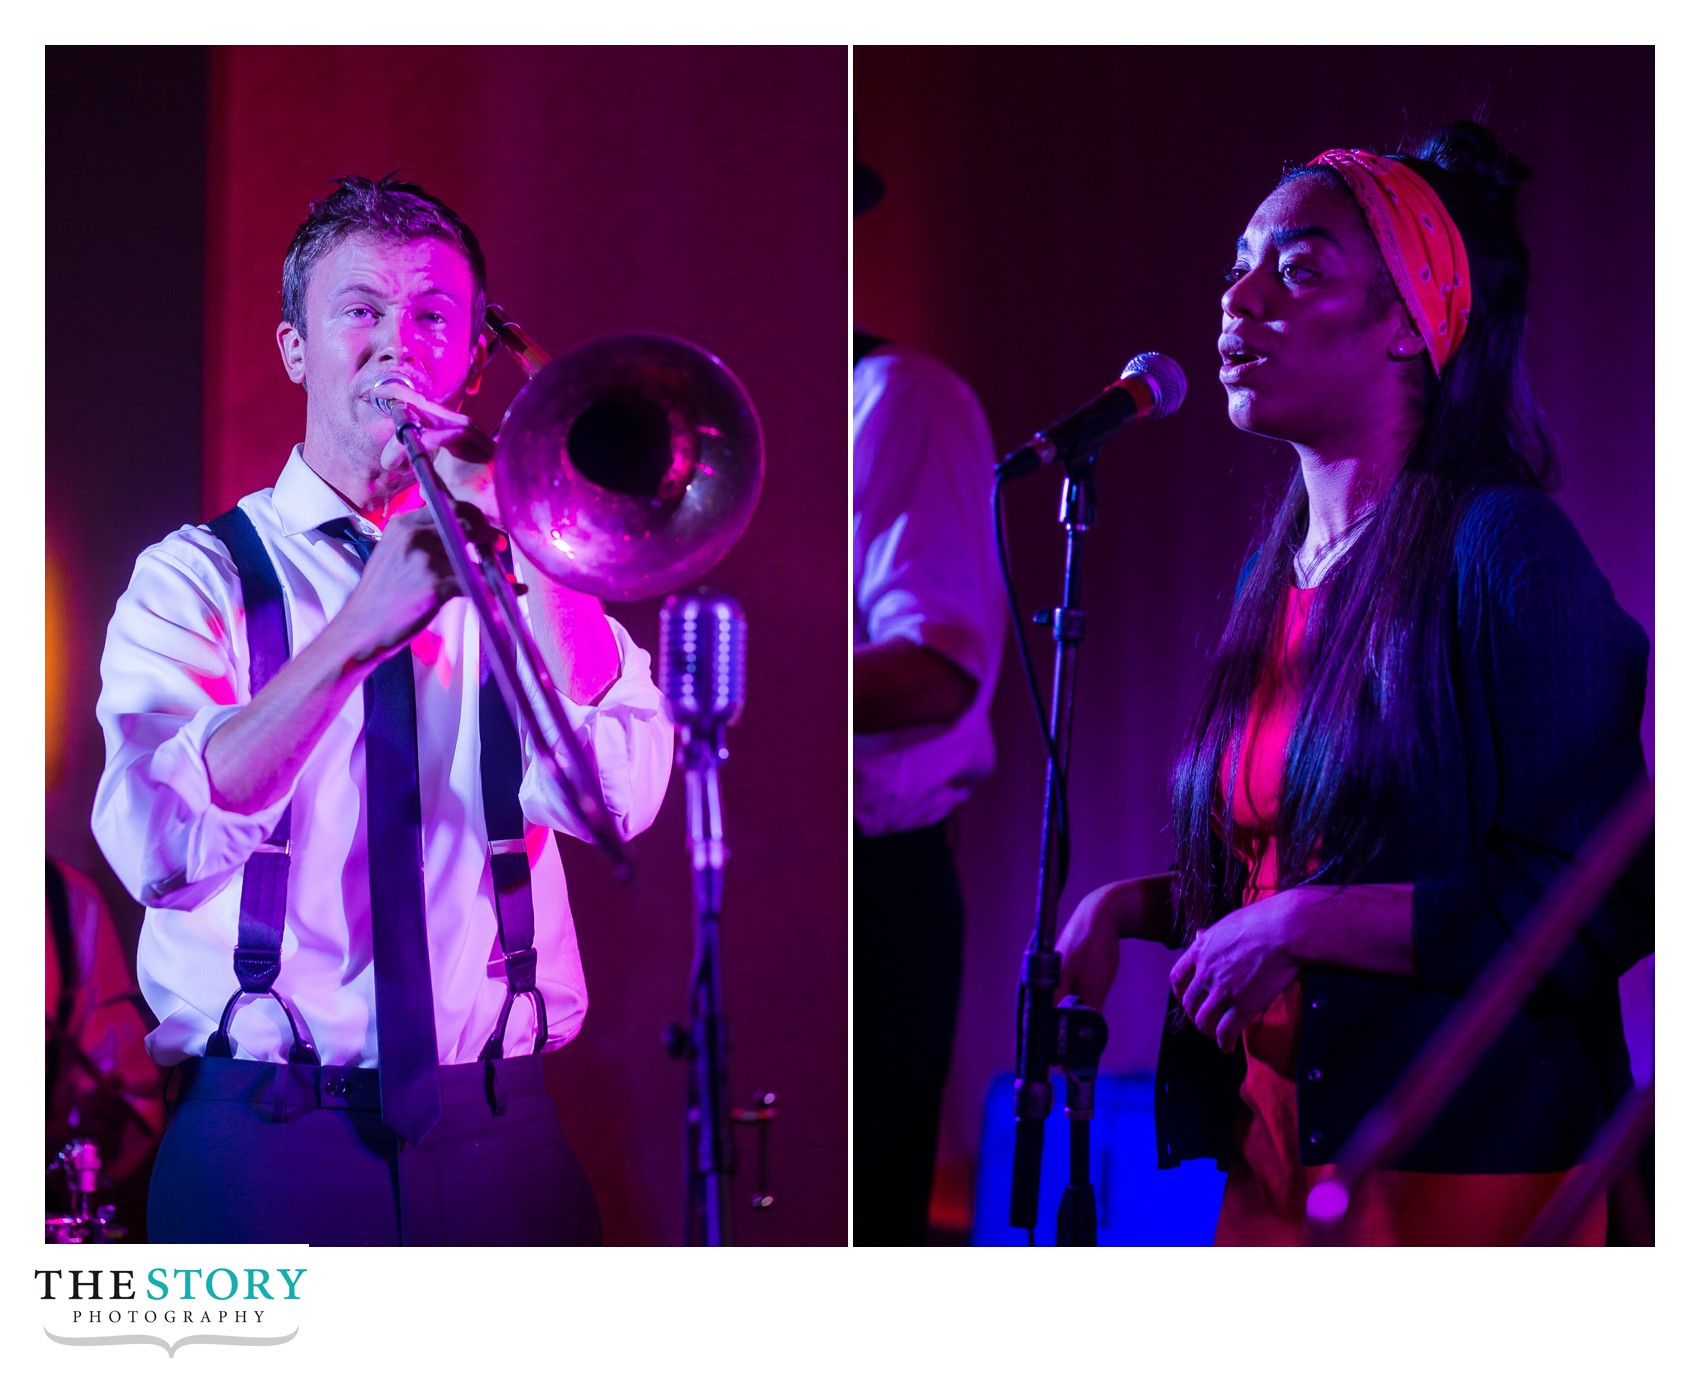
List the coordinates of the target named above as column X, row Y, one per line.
column 1268, row 1182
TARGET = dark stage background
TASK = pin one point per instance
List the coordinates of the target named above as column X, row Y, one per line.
column 1052, row 212
column 699, row 192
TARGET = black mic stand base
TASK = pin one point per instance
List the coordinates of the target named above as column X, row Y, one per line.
column 1082, row 1035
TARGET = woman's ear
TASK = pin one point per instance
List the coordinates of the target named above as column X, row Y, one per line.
column 1407, row 347
column 1406, row 342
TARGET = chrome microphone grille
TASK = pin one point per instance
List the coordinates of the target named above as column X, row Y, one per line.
column 703, row 637
column 1167, row 380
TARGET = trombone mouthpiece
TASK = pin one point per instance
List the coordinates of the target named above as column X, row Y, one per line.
column 401, row 379
column 387, row 406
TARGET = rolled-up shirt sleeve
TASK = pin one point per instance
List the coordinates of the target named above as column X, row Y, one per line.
column 173, row 670
column 923, row 473
column 626, row 735
column 925, row 572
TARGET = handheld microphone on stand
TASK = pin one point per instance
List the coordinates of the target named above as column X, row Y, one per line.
column 1151, row 385
column 703, row 637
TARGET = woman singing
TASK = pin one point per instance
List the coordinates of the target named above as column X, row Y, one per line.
column 1425, row 700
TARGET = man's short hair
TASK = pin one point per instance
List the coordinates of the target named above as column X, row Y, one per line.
column 387, row 209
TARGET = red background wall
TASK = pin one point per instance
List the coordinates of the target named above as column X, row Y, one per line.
column 1051, row 213
column 699, row 192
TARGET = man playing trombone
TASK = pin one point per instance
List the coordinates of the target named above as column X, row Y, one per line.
column 309, row 768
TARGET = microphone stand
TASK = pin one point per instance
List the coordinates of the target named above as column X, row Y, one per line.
column 1040, row 1042
column 708, row 1131
column 702, row 680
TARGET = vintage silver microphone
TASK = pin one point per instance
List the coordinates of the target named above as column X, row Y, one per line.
column 703, row 636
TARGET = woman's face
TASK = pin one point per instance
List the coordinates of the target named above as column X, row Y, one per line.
column 1310, row 348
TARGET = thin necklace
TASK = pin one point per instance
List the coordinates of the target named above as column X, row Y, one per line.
column 1308, row 574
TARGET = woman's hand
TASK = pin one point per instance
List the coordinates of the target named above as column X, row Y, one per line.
column 1235, row 969
column 1090, row 946
column 1129, row 909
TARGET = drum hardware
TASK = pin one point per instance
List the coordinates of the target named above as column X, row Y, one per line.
column 761, row 1116
column 79, row 1159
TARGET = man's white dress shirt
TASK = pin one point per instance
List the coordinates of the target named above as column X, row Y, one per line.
column 176, row 667
column 925, row 569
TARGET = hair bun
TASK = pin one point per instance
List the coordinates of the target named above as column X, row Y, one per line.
column 1466, row 149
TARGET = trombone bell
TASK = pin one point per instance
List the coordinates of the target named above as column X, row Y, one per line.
column 629, row 466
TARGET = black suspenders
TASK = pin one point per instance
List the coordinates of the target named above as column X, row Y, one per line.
column 499, row 768
column 265, row 877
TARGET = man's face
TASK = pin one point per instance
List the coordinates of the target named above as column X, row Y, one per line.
column 379, row 309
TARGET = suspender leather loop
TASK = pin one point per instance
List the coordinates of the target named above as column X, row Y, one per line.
column 257, row 967
column 301, row 1048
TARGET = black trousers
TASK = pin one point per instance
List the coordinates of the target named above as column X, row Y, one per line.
column 262, row 1153
column 908, row 919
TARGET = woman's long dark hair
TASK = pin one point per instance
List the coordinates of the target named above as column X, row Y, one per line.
column 1374, row 664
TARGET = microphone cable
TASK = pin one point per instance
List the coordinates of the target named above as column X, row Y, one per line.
column 1057, row 777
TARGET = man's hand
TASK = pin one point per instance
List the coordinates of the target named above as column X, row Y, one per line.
column 899, row 684
column 571, row 630
column 406, row 582
column 460, row 453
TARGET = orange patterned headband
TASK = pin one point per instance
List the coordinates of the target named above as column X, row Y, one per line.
column 1419, row 242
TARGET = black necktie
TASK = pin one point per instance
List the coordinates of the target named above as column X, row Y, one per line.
column 407, row 1030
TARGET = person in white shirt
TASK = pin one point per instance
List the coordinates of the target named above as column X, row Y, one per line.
column 383, row 297
column 928, row 633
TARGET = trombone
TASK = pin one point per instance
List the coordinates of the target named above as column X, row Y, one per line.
column 624, row 468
